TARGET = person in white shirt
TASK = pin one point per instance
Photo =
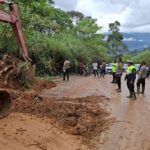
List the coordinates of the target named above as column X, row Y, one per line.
column 66, row 69
column 95, row 68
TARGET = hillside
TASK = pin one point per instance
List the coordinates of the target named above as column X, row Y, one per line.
column 137, row 40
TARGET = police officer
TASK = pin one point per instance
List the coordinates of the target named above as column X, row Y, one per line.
column 114, row 69
column 130, row 77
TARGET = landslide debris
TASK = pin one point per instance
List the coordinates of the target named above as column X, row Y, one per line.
column 15, row 73
column 77, row 116
column 15, row 76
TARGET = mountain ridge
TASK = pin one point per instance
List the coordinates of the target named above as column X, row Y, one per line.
column 136, row 40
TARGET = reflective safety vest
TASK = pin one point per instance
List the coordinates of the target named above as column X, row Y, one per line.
column 129, row 69
column 114, row 67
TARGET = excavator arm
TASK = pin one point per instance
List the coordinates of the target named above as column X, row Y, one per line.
column 12, row 17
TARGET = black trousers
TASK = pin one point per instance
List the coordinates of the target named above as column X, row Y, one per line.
column 130, row 86
column 102, row 73
column 66, row 73
column 95, row 72
column 114, row 77
column 118, row 79
column 141, row 81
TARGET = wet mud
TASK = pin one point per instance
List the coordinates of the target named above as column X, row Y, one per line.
column 129, row 131
column 132, row 129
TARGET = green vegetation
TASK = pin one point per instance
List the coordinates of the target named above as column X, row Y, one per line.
column 115, row 43
column 142, row 56
column 138, row 57
column 52, row 35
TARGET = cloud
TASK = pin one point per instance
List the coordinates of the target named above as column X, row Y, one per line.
column 66, row 4
column 145, row 46
column 130, row 39
column 132, row 14
column 140, row 40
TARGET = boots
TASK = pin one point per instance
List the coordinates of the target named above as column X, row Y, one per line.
column 138, row 90
column 143, row 89
column 133, row 96
column 130, row 95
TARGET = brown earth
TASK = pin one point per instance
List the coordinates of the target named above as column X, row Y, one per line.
column 26, row 132
column 80, row 117
column 130, row 131
column 75, row 116
column 132, row 128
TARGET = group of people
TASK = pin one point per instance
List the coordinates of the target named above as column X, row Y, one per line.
column 117, row 72
column 130, row 77
column 99, row 70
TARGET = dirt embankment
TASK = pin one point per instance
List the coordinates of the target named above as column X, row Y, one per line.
column 8, row 94
column 80, row 117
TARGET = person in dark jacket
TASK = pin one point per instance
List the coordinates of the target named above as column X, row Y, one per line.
column 130, row 77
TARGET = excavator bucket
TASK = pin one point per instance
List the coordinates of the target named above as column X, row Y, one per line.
column 5, row 103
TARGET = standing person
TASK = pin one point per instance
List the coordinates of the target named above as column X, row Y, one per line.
column 76, row 66
column 130, row 77
column 95, row 68
column 103, row 69
column 119, row 73
column 142, row 77
column 81, row 68
column 114, row 69
column 66, row 67
column 148, row 71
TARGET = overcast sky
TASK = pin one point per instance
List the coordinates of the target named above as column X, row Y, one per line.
column 134, row 15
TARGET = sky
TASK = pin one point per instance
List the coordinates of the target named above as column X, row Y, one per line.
column 132, row 14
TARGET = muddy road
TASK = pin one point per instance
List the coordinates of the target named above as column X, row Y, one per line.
column 132, row 128
column 26, row 132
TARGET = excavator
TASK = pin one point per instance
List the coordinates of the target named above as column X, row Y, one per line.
column 12, row 17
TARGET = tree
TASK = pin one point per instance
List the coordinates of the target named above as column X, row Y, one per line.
column 76, row 16
column 51, row 36
column 115, row 43
column 142, row 56
column 86, row 28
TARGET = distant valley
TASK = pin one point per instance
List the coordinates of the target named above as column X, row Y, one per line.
column 137, row 41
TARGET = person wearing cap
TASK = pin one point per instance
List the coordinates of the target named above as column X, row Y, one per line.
column 130, row 77
column 142, row 77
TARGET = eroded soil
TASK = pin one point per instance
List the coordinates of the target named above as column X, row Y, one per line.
column 131, row 130
column 82, row 118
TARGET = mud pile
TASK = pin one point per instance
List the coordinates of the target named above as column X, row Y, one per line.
column 8, row 95
column 15, row 73
column 79, row 116
column 40, row 85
